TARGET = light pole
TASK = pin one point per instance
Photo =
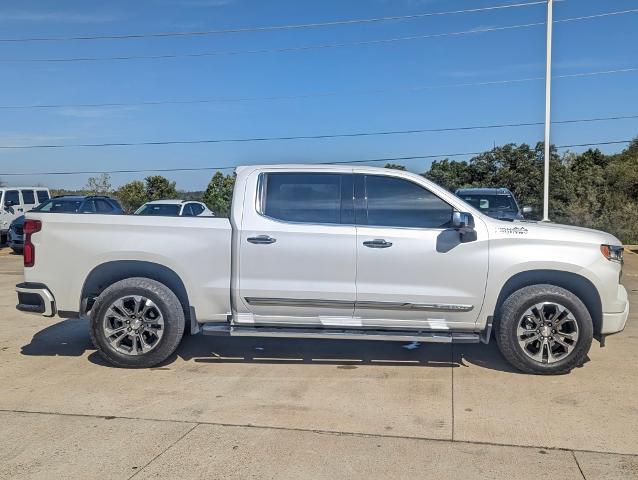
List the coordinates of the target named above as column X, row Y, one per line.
column 548, row 98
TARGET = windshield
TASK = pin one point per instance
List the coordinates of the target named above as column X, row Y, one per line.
column 491, row 202
column 160, row 209
column 59, row 205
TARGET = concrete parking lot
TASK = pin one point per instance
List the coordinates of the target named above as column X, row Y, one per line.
column 276, row 408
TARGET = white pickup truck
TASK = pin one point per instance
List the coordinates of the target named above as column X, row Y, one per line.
column 329, row 252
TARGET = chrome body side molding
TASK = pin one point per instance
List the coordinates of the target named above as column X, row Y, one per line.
column 303, row 302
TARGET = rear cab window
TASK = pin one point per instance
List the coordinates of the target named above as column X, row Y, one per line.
column 307, row 197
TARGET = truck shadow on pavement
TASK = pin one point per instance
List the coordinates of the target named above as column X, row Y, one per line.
column 70, row 338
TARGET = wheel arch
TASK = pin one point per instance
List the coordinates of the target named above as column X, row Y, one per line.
column 108, row 273
column 580, row 286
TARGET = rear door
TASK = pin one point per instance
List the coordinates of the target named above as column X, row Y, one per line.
column 412, row 269
column 297, row 249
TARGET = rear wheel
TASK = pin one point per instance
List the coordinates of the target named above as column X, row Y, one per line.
column 137, row 322
column 544, row 329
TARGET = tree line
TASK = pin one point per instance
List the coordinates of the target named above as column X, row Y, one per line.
column 589, row 189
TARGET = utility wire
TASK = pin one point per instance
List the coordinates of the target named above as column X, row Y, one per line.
column 318, row 137
column 267, row 28
column 272, row 50
column 377, row 91
column 346, row 162
column 309, row 47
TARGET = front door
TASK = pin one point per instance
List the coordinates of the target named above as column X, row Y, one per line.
column 297, row 250
column 412, row 269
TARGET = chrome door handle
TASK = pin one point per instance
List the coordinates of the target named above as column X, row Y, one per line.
column 377, row 243
column 262, row 239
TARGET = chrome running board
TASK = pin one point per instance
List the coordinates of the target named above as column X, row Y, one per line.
column 226, row 330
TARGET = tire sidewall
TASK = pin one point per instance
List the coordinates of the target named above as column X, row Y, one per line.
column 166, row 302
column 514, row 308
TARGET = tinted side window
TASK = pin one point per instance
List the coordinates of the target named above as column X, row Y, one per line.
column 303, row 197
column 395, row 202
column 88, row 207
column 196, row 208
column 43, row 196
column 28, row 197
column 102, row 206
column 12, row 196
column 187, row 210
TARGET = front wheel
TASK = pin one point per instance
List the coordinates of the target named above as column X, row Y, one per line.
column 137, row 322
column 544, row 329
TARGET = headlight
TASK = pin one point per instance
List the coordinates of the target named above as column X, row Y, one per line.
column 612, row 252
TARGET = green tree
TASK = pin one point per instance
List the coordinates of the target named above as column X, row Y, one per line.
column 589, row 189
column 449, row 174
column 131, row 195
column 159, row 188
column 219, row 193
column 394, row 166
column 100, row 185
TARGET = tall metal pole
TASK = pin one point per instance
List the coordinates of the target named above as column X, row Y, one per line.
column 548, row 101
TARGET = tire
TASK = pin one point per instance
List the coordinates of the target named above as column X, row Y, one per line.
column 557, row 346
column 137, row 305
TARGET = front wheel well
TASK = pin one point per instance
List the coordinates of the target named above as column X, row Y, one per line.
column 577, row 284
column 108, row 273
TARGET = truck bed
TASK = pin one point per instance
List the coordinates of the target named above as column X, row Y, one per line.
column 72, row 246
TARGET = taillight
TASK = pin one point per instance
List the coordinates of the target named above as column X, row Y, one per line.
column 30, row 227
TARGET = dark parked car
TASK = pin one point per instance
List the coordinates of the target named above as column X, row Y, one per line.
column 64, row 204
column 496, row 202
column 15, row 235
column 81, row 204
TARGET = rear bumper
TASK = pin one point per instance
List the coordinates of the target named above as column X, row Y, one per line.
column 35, row 298
column 615, row 322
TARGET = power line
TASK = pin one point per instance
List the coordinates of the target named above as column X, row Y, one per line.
column 377, row 91
column 266, row 28
column 345, row 162
column 316, row 137
column 272, row 50
column 309, row 47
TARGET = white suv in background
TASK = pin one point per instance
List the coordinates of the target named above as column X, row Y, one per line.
column 15, row 201
column 175, row 208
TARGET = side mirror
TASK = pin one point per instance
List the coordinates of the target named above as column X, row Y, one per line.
column 8, row 203
column 528, row 209
column 462, row 220
column 464, row 223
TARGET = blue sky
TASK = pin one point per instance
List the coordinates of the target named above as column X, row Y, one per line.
column 584, row 46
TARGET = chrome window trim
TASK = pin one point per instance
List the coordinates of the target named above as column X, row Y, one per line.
column 306, row 302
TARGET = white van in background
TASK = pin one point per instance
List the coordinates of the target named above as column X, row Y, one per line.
column 15, row 201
